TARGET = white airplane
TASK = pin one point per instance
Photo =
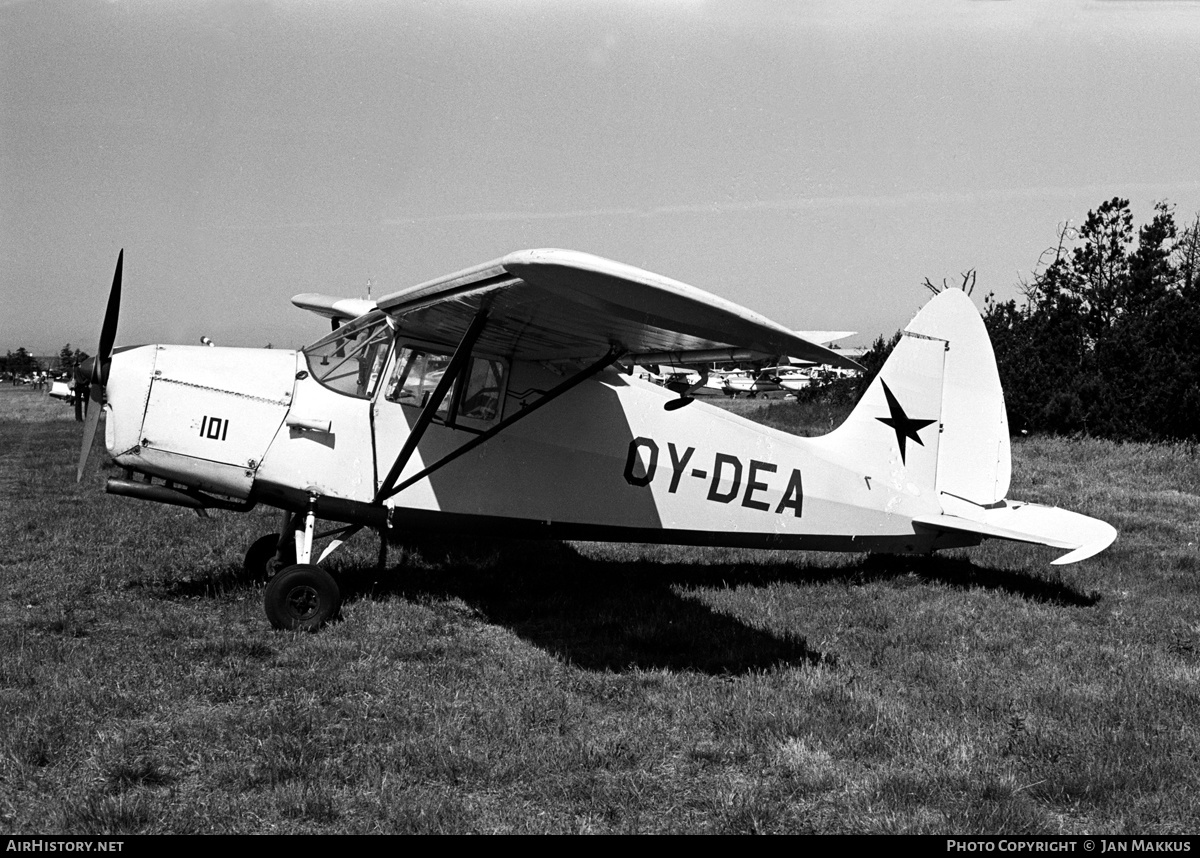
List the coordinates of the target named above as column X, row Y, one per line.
column 790, row 375
column 793, row 378
column 498, row 400
column 679, row 378
column 753, row 383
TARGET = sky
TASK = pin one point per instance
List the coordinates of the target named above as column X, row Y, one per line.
column 813, row 161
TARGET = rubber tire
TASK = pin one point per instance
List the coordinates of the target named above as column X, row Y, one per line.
column 302, row 598
column 260, row 564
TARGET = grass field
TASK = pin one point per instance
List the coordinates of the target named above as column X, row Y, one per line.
column 597, row 688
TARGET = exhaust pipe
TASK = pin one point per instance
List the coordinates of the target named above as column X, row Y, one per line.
column 190, row 498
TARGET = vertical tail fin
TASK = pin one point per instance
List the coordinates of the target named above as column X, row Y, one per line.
column 933, row 425
column 933, row 419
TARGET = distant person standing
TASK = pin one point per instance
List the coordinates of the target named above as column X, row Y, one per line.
column 80, row 388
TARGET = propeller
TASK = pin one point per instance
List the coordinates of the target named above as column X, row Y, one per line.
column 98, row 376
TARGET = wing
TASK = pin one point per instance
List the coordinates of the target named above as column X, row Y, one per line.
column 338, row 309
column 564, row 305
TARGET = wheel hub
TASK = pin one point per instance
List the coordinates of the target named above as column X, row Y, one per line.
column 303, row 601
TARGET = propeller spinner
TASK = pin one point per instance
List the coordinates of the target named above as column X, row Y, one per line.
column 100, row 364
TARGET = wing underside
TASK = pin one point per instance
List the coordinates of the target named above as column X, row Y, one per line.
column 554, row 305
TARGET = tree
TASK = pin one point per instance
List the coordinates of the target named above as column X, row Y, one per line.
column 1103, row 343
column 873, row 360
column 21, row 362
column 1100, row 266
column 1186, row 258
column 1152, row 272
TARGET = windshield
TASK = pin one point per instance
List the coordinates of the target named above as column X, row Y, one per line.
column 351, row 359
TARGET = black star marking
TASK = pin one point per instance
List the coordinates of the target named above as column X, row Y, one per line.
column 905, row 426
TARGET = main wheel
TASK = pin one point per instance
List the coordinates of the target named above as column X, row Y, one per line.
column 260, row 563
column 302, row 598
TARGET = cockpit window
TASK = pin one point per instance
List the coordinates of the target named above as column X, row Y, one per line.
column 417, row 371
column 352, row 358
column 415, row 375
column 480, row 399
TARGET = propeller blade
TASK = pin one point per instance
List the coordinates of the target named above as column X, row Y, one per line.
column 89, row 428
column 108, row 331
column 100, row 365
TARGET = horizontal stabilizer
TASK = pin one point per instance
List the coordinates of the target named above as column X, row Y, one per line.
column 1027, row 522
column 332, row 307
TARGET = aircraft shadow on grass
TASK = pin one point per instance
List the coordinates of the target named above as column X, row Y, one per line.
column 602, row 614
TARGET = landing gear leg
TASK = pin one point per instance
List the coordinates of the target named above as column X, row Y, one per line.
column 271, row 553
column 302, row 597
column 383, row 550
column 304, row 536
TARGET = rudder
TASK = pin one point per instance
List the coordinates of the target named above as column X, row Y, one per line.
column 975, row 459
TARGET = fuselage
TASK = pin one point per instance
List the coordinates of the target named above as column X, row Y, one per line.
column 494, row 401
column 604, row 461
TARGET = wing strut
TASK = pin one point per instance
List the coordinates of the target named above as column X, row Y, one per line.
column 614, row 353
column 457, row 362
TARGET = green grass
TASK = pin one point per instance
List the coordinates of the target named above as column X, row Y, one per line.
column 599, row 688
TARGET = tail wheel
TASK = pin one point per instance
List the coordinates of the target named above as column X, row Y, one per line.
column 302, row 598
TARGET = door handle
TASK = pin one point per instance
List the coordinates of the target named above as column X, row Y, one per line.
column 310, row 424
